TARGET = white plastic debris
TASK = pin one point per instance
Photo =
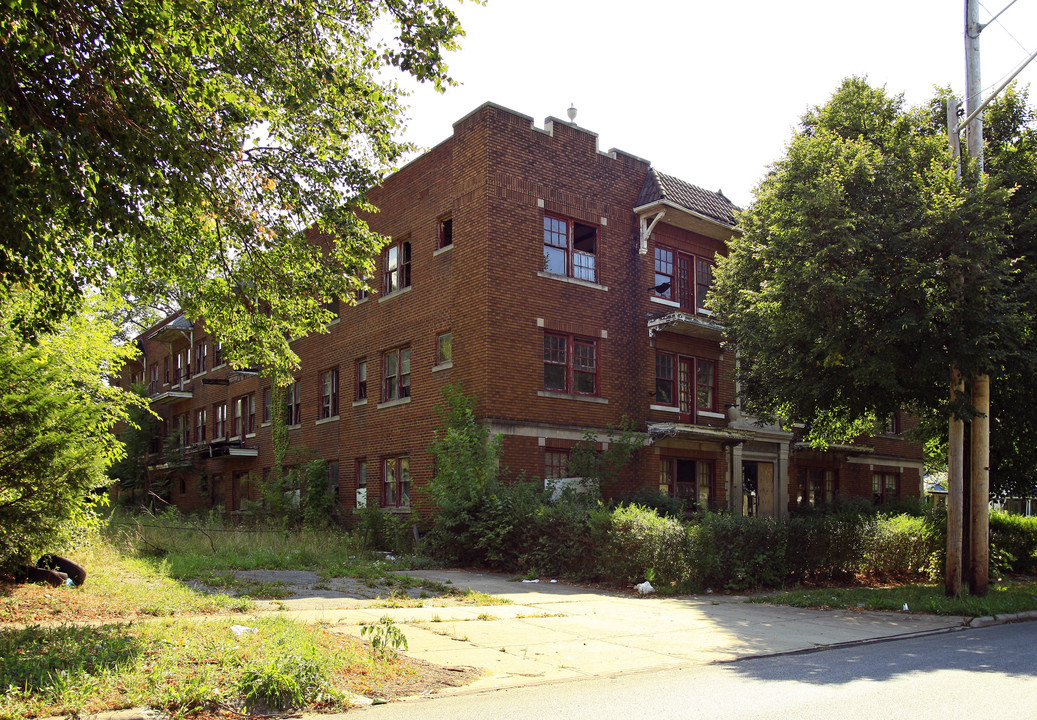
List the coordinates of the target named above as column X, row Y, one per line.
column 532, row 581
column 644, row 588
column 554, row 581
column 240, row 630
column 905, row 607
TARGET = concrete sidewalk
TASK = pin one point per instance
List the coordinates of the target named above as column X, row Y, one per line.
column 557, row 631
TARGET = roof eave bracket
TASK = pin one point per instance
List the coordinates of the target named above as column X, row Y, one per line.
column 646, row 231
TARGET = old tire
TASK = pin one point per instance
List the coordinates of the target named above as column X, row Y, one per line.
column 64, row 565
column 43, row 575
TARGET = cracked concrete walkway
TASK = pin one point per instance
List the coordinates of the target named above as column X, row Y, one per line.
column 557, row 631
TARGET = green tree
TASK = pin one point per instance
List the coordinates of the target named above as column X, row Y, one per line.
column 180, row 148
column 865, row 270
column 130, row 470
column 1010, row 156
column 466, row 475
column 57, row 413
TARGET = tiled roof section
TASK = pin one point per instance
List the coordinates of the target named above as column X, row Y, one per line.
column 659, row 186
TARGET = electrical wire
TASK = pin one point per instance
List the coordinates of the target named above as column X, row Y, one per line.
column 1028, row 52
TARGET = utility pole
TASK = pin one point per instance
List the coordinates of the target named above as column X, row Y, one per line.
column 979, row 536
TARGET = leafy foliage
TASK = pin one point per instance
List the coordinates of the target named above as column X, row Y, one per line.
column 56, row 417
column 181, row 148
column 386, row 639
column 865, row 271
column 466, row 463
column 602, row 467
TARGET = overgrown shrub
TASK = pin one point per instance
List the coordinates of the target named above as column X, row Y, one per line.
column 643, row 543
column 1015, row 538
column 896, row 547
column 466, row 461
column 378, row 529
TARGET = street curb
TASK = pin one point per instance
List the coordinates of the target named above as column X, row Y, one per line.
column 988, row 620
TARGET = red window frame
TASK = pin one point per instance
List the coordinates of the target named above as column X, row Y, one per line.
column 556, row 463
column 699, row 489
column 200, row 421
column 690, row 277
column 219, row 420
column 816, row 486
column 201, row 356
column 361, row 480
column 237, row 417
column 569, row 363
column 706, row 383
column 571, row 248
column 664, row 272
column 446, row 232
column 328, row 389
column 885, row 487
column 666, row 379
column 396, row 267
column 396, row 481
column 293, row 404
column 396, row 374
column 361, row 380
column 250, row 413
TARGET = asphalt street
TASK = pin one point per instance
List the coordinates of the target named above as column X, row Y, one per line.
column 974, row 673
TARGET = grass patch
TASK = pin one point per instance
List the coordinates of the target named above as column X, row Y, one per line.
column 1003, row 598
column 118, row 586
column 184, row 667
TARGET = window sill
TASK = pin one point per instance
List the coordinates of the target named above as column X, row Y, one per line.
column 221, row 438
column 199, row 374
column 293, row 427
column 571, row 281
column 250, row 435
column 396, row 509
column 359, row 403
column 395, row 294
column 444, row 366
column 393, row 403
column 323, row 421
column 569, row 396
column 266, row 424
column 362, row 300
column 232, row 438
column 710, row 414
column 440, row 251
column 335, row 321
column 217, row 367
column 664, row 301
column 665, row 408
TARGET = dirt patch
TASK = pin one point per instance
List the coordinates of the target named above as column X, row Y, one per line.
column 425, row 678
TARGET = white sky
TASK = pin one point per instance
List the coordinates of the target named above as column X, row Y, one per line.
column 709, row 91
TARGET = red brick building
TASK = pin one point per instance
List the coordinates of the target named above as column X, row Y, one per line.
column 563, row 287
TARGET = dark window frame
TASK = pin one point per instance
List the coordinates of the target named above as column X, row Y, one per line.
column 702, row 269
column 360, row 374
column 396, row 260
column 885, row 487
column 396, row 382
column 445, row 232
column 572, row 373
column 328, row 407
column 565, row 240
column 662, row 381
column 396, row 491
